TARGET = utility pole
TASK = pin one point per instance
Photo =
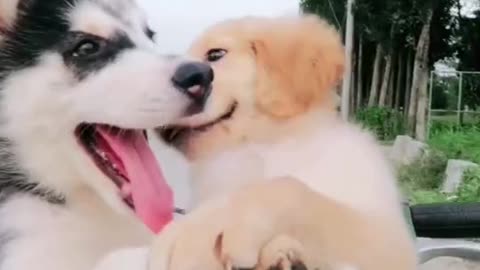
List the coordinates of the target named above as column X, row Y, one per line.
column 347, row 77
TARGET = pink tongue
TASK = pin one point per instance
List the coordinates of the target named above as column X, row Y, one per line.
column 152, row 197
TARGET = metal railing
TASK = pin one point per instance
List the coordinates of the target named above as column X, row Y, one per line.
column 452, row 86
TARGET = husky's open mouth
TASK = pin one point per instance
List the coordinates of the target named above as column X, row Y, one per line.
column 125, row 157
column 172, row 134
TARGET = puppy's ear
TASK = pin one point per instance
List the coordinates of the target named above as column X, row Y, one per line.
column 299, row 63
column 8, row 12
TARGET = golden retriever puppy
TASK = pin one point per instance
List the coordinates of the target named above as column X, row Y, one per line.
column 270, row 115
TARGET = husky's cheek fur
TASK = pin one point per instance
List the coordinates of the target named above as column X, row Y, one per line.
column 80, row 80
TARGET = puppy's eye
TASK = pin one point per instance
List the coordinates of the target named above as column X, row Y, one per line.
column 86, row 47
column 214, row 55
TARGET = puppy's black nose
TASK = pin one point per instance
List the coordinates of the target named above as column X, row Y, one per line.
column 194, row 79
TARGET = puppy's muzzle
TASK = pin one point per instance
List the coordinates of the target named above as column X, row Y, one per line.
column 194, row 79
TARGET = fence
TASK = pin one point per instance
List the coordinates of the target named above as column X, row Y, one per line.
column 454, row 100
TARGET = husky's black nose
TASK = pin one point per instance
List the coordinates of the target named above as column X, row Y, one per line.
column 194, row 79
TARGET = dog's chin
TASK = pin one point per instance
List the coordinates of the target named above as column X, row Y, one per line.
column 177, row 135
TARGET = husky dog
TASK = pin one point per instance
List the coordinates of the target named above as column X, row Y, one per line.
column 80, row 81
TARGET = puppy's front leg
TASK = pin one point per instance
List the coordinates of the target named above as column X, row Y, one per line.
column 253, row 228
column 282, row 225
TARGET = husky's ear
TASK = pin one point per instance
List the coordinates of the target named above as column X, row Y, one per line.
column 8, row 12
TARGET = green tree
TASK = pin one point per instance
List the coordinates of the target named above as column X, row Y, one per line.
column 468, row 50
column 389, row 35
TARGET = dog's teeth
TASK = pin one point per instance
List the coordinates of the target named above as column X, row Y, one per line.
column 102, row 155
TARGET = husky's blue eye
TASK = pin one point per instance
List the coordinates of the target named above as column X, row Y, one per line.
column 86, row 48
column 214, row 55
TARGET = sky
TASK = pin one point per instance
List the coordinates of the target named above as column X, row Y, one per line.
column 469, row 6
column 178, row 22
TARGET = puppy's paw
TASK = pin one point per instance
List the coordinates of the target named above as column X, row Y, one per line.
column 246, row 230
column 282, row 253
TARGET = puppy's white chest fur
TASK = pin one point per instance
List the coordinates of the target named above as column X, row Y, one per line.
column 338, row 160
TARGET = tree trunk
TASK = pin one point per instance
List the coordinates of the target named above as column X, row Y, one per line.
column 358, row 99
column 398, row 87
column 352, row 86
column 421, row 121
column 376, row 76
column 408, row 82
column 391, row 89
column 352, row 95
column 345, row 102
column 386, row 80
column 420, row 67
column 383, row 100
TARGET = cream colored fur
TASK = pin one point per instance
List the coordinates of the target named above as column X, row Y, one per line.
column 284, row 179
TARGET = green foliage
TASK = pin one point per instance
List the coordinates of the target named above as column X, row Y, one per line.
column 428, row 196
column 392, row 22
column 443, row 32
column 471, row 90
column 446, row 89
column 467, row 42
column 426, row 173
column 457, row 142
column 422, row 180
column 445, row 125
column 445, row 92
column 422, row 183
column 469, row 190
column 385, row 123
column 333, row 11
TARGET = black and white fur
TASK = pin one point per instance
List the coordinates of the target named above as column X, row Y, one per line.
column 57, row 210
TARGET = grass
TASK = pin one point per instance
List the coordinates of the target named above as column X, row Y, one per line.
column 469, row 190
column 422, row 180
column 452, row 118
column 419, row 191
column 458, row 144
